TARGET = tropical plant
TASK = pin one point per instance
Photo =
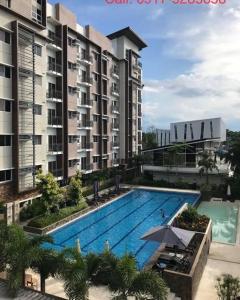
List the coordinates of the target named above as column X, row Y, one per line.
column 127, row 281
column 19, row 253
column 3, row 245
column 206, row 164
column 50, row 190
column 228, row 287
column 48, row 264
column 232, row 156
column 75, row 275
column 149, row 138
column 74, row 190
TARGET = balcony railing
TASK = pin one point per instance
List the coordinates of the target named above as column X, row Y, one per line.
column 115, row 71
column 54, row 39
column 86, row 123
column 115, row 126
column 85, row 79
column 115, row 108
column 54, row 67
column 85, row 57
column 115, row 144
column 55, row 121
column 87, row 167
column 86, row 102
column 55, row 147
column 115, row 90
column 56, row 172
column 54, row 94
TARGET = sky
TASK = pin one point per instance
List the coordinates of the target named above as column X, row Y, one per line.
column 192, row 62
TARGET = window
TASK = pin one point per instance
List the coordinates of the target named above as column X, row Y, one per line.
column 211, row 129
column 202, row 131
column 95, row 56
column 83, row 53
column 5, row 71
column 71, row 42
column 37, row 140
column 104, row 86
column 96, row 98
column 71, row 139
column 96, row 77
column 95, row 159
column 5, row 175
column 71, row 90
column 5, row 36
column 191, row 129
column 104, row 67
column 37, row 109
column 71, row 114
column 185, row 131
column 95, row 118
column 95, row 138
column 38, row 50
column 5, row 105
column 175, row 131
column 5, row 140
column 83, row 163
column 71, row 163
column 71, row 66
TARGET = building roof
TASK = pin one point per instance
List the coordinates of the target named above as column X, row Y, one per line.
column 25, row 293
column 130, row 34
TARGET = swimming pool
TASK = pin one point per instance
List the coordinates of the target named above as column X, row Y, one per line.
column 122, row 222
column 224, row 219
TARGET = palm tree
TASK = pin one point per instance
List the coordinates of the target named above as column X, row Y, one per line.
column 20, row 252
column 206, row 164
column 127, row 281
column 75, row 274
column 48, row 265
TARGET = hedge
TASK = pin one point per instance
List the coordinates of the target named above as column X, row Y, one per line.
column 48, row 219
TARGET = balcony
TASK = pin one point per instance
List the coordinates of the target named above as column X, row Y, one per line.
column 115, row 72
column 115, row 91
column 85, row 80
column 115, row 126
column 85, row 59
column 87, row 168
column 55, row 42
column 137, row 65
column 55, row 121
column 115, row 109
column 87, row 124
column 55, row 148
column 54, row 69
column 115, row 145
column 54, row 96
column 85, row 103
column 58, row 173
column 116, row 162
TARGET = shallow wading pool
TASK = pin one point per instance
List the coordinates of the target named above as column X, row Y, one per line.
column 122, row 222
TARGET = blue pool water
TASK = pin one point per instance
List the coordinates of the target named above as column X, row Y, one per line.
column 122, row 223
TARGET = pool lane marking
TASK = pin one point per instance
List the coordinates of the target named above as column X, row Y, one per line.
column 126, row 216
column 138, row 224
column 141, row 248
column 102, row 218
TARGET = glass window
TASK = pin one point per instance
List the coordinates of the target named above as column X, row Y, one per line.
column 5, row 140
column 38, row 109
column 37, row 140
column 38, row 50
column 202, row 131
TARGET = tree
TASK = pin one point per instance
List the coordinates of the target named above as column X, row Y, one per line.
column 127, row 281
column 149, row 138
column 206, row 164
column 50, row 190
column 75, row 275
column 74, row 191
column 19, row 253
column 228, row 287
column 232, row 156
column 49, row 264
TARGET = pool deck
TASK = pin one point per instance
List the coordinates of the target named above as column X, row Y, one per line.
column 223, row 258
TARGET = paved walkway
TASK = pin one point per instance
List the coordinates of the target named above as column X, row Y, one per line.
column 222, row 258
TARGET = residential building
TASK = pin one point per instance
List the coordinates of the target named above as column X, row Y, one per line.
column 180, row 149
column 70, row 97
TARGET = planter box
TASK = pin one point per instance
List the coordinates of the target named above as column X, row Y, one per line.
column 185, row 285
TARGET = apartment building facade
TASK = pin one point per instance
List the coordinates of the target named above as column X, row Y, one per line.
column 70, row 97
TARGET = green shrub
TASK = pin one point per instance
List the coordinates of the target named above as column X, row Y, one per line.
column 32, row 210
column 48, row 219
column 228, row 287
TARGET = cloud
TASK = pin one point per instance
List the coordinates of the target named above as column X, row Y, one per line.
column 211, row 87
column 155, row 14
